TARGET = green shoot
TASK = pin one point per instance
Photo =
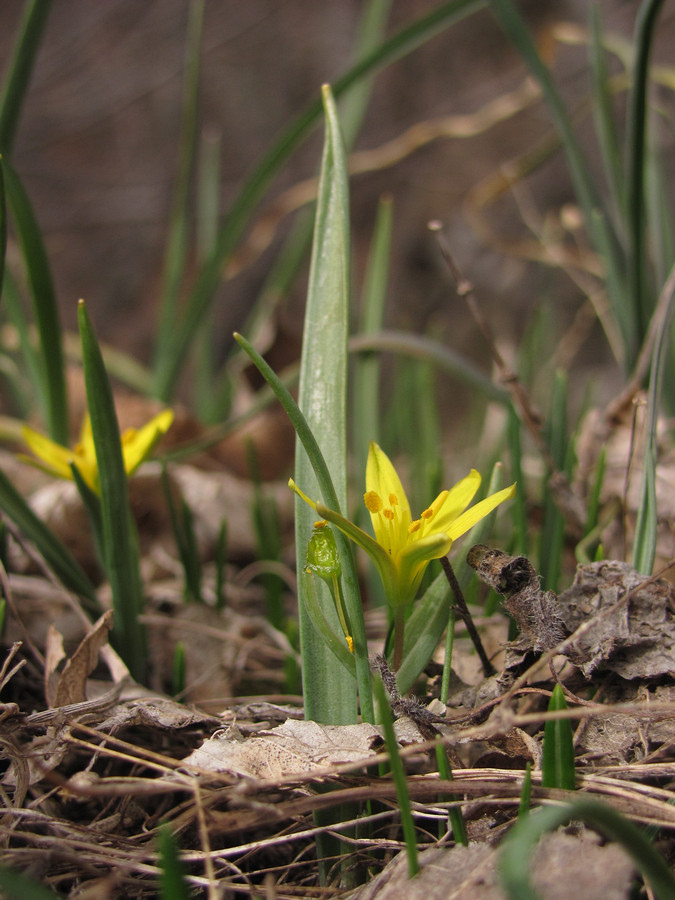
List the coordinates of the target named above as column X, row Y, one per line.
column 557, row 765
column 398, row 775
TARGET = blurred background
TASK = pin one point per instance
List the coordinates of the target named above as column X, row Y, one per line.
column 98, row 151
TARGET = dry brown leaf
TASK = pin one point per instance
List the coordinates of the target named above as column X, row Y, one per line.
column 72, row 684
column 629, row 621
column 154, row 712
column 625, row 620
column 291, row 748
column 54, row 653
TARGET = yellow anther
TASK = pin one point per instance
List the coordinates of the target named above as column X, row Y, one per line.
column 414, row 526
column 321, row 523
column 428, row 513
column 388, row 514
column 373, row 501
column 350, row 642
column 393, row 500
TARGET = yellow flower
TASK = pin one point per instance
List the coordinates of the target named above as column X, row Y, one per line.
column 137, row 445
column 403, row 547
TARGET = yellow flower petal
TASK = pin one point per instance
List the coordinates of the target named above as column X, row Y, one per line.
column 456, row 501
column 392, row 520
column 469, row 518
column 137, row 445
column 53, row 457
column 402, row 549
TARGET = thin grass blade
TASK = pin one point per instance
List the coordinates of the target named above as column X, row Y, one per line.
column 398, row 775
column 515, row 863
column 120, row 538
column 3, row 228
column 172, row 881
column 174, row 258
column 19, row 70
column 643, row 299
column 366, row 378
column 644, row 543
column 605, row 123
column 557, row 763
column 553, row 525
column 327, row 491
column 418, row 346
column 56, row 555
column 398, row 46
column 44, row 305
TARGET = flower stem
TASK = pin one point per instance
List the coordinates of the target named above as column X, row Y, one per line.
column 463, row 610
column 399, row 633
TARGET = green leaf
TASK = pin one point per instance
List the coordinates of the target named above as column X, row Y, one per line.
column 172, row 882
column 20, row 68
column 526, row 793
column 330, row 697
column 44, row 304
column 56, row 555
column 182, row 525
column 335, row 643
column 120, row 539
column 366, row 391
column 3, row 227
column 455, row 815
column 643, row 299
column 553, row 526
column 423, row 631
column 644, row 542
column 398, row 775
column 557, row 764
column 514, row 859
column 605, row 123
column 179, row 216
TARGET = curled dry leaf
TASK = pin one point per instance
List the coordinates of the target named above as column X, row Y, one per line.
column 71, row 686
column 617, row 618
column 515, row 578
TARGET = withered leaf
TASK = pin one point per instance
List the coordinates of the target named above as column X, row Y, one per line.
column 515, row 578
column 628, row 619
column 292, row 748
column 71, row 687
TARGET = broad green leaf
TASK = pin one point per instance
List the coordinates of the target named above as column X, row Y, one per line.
column 330, row 694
